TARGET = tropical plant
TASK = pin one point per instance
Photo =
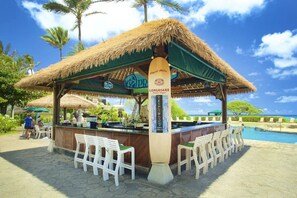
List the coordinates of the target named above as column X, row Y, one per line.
column 6, row 50
column 169, row 4
column 239, row 107
column 74, row 7
column 76, row 48
column 28, row 64
column 6, row 124
column 176, row 110
column 11, row 71
column 56, row 37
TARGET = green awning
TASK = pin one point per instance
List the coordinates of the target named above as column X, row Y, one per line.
column 182, row 59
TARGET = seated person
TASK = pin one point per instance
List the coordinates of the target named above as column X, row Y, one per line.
column 40, row 123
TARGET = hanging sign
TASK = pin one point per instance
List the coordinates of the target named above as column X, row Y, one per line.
column 108, row 85
column 136, row 81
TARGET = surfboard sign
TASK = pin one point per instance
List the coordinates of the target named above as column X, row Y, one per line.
column 159, row 89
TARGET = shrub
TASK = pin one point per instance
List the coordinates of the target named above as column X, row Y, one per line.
column 7, row 123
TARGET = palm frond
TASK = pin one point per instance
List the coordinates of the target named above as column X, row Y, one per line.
column 172, row 5
column 95, row 12
column 56, row 7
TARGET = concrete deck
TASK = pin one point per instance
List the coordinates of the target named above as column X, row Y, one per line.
column 262, row 169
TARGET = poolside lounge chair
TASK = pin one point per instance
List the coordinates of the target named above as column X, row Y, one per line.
column 271, row 120
column 240, row 119
column 280, row 120
column 262, row 119
column 230, row 119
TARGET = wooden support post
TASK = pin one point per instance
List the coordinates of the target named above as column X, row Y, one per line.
column 65, row 113
column 56, row 107
column 224, row 103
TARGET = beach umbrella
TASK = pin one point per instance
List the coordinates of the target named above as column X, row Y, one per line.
column 36, row 109
column 68, row 101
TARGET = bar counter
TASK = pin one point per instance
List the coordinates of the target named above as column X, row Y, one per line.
column 138, row 138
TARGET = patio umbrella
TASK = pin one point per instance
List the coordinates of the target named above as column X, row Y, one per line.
column 36, row 109
column 68, row 101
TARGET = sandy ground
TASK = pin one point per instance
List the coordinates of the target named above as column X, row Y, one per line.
column 261, row 169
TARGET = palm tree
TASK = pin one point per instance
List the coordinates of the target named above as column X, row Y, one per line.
column 75, row 7
column 6, row 50
column 56, row 37
column 144, row 3
column 76, row 48
column 29, row 64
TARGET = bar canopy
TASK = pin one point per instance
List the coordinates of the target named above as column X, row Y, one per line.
column 197, row 69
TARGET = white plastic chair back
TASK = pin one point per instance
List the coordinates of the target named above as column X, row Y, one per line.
column 79, row 138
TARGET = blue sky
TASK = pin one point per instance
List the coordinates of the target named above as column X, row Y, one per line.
column 258, row 38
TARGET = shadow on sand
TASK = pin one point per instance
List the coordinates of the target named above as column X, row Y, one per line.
column 58, row 171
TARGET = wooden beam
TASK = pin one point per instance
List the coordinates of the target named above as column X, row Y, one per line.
column 140, row 71
column 186, row 81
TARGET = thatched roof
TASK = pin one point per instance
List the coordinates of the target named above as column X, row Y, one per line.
column 67, row 101
column 155, row 33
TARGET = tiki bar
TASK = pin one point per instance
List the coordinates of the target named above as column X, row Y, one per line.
column 156, row 61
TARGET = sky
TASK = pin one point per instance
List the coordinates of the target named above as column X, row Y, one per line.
column 258, row 38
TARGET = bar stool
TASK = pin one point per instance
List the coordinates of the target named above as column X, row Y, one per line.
column 111, row 146
column 193, row 147
column 79, row 140
column 99, row 159
column 226, row 148
column 209, row 154
column 238, row 139
column 89, row 158
column 217, row 147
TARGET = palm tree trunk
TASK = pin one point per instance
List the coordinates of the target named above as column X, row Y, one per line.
column 79, row 31
column 145, row 12
column 60, row 53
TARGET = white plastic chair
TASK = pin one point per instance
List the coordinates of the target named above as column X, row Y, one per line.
column 111, row 146
column 209, row 154
column 39, row 132
column 225, row 147
column 239, row 143
column 79, row 140
column 194, row 151
column 262, row 119
column 89, row 158
column 217, row 147
column 99, row 159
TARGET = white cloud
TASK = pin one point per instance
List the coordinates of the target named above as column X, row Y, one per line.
column 282, row 45
column 286, row 99
column 281, row 49
column 95, row 27
column 254, row 74
column 253, row 96
column 177, row 99
column 291, row 90
column 231, row 8
column 202, row 100
column 281, row 74
column 238, row 50
column 270, row 93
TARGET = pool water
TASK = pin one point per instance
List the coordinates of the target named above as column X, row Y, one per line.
column 252, row 134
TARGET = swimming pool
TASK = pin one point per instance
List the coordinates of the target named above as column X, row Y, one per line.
column 252, row 134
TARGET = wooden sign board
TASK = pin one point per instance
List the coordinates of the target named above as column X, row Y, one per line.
column 159, row 111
